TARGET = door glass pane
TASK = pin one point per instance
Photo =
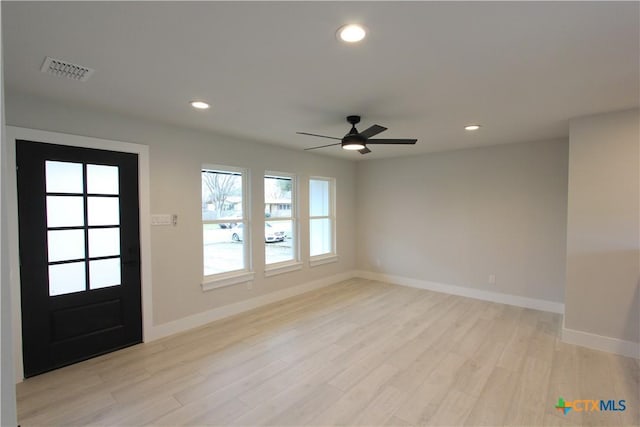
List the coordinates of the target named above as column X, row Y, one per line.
column 65, row 245
column 104, row 242
column 104, row 273
column 65, row 211
column 104, row 211
column 66, row 278
column 102, row 179
column 318, row 197
column 320, row 236
column 278, row 237
column 63, row 177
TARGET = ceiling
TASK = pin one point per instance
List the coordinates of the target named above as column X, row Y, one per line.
column 426, row 69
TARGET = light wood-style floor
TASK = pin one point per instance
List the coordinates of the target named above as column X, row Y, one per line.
column 356, row 353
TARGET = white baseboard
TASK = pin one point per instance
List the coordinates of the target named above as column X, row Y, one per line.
column 536, row 304
column 190, row 322
column 601, row 342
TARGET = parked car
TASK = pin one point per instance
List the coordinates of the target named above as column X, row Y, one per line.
column 270, row 235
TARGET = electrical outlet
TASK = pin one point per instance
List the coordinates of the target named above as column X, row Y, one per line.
column 492, row 279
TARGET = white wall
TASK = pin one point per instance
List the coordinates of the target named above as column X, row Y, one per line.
column 456, row 217
column 8, row 416
column 176, row 156
column 603, row 227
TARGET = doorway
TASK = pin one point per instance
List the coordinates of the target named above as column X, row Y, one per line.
column 79, row 243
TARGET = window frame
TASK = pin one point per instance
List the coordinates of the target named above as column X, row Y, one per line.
column 246, row 274
column 294, row 264
column 332, row 255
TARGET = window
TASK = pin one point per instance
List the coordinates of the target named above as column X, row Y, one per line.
column 225, row 227
column 281, row 225
column 321, row 218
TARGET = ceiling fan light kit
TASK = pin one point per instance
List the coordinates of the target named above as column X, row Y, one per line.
column 358, row 141
column 352, row 143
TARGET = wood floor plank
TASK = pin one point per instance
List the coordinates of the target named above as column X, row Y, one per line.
column 551, row 420
column 381, row 408
column 475, row 371
column 595, row 384
column 354, row 373
column 230, row 383
column 626, row 386
column 515, row 350
column 357, row 398
column 272, row 405
column 139, row 412
column 68, row 412
column 491, row 407
column 471, row 341
column 220, row 415
column 564, row 382
column 163, row 383
column 338, row 309
column 41, row 396
column 530, row 393
column 425, row 401
column 412, row 376
column 397, row 422
column 318, row 400
column 197, row 412
column 453, row 410
column 298, row 373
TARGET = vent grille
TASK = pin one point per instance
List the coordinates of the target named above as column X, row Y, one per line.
column 61, row 68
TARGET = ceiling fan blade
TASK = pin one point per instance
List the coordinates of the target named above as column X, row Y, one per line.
column 322, row 146
column 365, row 150
column 373, row 130
column 319, row 136
column 391, row 141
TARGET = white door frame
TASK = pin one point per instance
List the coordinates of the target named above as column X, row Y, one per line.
column 14, row 133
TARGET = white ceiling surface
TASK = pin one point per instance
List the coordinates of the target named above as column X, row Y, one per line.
column 271, row 69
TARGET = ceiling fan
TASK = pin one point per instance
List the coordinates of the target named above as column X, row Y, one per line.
column 355, row 140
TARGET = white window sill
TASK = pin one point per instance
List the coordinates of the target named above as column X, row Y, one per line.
column 226, row 279
column 323, row 259
column 282, row 268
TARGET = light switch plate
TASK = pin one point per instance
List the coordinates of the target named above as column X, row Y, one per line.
column 162, row 219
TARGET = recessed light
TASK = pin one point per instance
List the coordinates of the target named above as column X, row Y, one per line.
column 200, row 105
column 472, row 127
column 351, row 33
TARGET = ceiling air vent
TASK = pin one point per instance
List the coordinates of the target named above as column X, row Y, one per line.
column 60, row 68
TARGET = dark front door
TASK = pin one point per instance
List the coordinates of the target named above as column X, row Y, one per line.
column 79, row 253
